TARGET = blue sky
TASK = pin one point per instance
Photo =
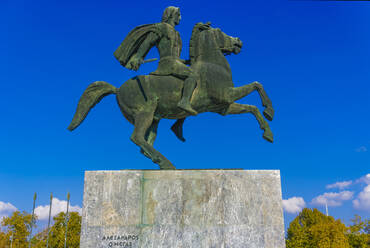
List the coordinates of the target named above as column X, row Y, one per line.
column 312, row 57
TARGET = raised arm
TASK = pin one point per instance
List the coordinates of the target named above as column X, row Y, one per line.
column 137, row 59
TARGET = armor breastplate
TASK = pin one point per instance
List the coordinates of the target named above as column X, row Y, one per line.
column 170, row 44
column 169, row 48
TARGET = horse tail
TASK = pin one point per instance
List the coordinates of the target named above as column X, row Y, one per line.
column 91, row 96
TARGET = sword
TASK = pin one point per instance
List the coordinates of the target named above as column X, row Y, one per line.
column 149, row 60
column 143, row 62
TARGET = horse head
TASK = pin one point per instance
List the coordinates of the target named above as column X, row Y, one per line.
column 207, row 40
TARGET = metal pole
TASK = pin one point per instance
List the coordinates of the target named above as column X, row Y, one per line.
column 51, row 202
column 66, row 220
column 11, row 241
column 33, row 214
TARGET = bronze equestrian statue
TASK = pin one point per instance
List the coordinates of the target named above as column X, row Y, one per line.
column 174, row 90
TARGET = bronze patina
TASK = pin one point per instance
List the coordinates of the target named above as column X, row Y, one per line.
column 175, row 90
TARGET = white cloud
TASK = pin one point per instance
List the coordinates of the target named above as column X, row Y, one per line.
column 58, row 206
column 364, row 179
column 6, row 209
column 340, row 185
column 362, row 202
column 361, row 149
column 294, row 205
column 332, row 199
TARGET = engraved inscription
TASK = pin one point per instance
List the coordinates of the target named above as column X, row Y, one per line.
column 126, row 240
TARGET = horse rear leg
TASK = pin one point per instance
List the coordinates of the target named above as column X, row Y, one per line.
column 143, row 122
column 177, row 129
column 236, row 108
column 237, row 93
column 151, row 135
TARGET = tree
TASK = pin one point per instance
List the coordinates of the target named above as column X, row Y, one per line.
column 3, row 239
column 313, row 229
column 367, row 227
column 57, row 231
column 39, row 240
column 358, row 236
column 18, row 226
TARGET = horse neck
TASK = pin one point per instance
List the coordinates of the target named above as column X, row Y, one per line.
column 214, row 57
column 209, row 53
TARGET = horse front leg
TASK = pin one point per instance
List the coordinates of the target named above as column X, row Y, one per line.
column 237, row 93
column 236, row 108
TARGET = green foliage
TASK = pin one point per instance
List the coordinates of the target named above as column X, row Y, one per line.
column 358, row 235
column 313, row 229
column 17, row 225
column 3, row 239
column 57, row 231
column 367, row 227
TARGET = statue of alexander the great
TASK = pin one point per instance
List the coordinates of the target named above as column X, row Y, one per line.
column 174, row 90
column 134, row 48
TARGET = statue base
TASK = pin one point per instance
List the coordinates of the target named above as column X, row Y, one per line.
column 182, row 208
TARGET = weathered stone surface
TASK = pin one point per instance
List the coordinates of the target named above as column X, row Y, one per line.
column 183, row 208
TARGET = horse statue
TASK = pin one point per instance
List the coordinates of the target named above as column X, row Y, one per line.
column 146, row 99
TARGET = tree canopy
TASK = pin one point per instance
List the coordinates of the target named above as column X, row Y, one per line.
column 18, row 227
column 313, row 229
column 358, row 233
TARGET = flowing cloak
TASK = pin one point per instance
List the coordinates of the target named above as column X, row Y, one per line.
column 133, row 41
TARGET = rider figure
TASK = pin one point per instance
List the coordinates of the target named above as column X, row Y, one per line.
column 168, row 42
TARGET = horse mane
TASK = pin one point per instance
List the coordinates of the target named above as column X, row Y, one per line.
column 198, row 27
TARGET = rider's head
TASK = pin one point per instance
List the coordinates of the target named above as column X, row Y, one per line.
column 171, row 15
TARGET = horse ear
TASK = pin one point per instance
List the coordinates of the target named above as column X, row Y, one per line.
column 203, row 26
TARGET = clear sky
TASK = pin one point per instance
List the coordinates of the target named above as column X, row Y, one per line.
column 312, row 57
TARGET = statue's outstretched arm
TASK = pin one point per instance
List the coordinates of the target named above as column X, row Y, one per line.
column 144, row 48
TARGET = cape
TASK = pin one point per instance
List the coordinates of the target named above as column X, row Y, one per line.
column 133, row 41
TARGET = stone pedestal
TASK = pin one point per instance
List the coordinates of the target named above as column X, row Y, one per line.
column 182, row 209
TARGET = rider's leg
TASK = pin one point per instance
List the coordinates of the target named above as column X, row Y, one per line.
column 189, row 86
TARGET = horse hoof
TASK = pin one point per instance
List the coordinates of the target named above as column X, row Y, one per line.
column 267, row 135
column 269, row 113
column 177, row 130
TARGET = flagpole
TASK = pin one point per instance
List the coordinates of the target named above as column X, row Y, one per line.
column 33, row 214
column 65, row 238
column 51, row 203
column 11, row 241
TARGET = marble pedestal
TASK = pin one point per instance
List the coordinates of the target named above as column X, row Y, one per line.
column 182, row 209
